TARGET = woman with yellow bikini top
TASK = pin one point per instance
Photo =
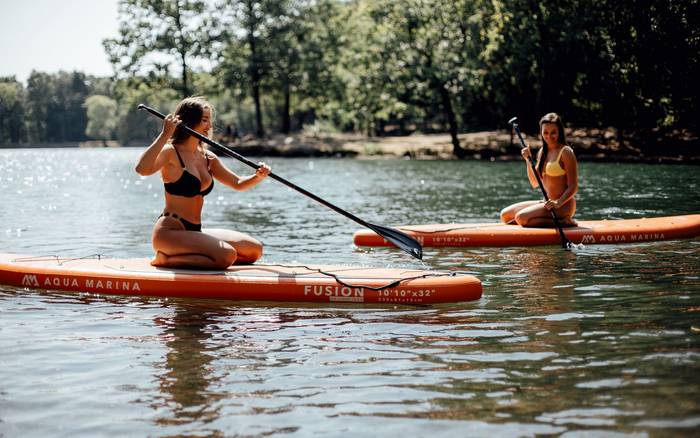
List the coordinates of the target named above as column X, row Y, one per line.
column 558, row 170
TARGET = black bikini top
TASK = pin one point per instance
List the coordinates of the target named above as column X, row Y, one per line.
column 188, row 185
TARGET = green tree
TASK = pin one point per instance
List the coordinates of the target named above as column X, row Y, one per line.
column 299, row 51
column 363, row 70
column 153, row 33
column 138, row 127
column 601, row 63
column 318, row 85
column 39, row 96
column 283, row 53
column 67, row 120
column 413, row 53
column 244, row 57
column 55, row 110
column 12, row 113
column 645, row 62
column 102, row 117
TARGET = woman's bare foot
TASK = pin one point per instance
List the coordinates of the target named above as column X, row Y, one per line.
column 160, row 259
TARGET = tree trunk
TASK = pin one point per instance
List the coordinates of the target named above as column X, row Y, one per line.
column 182, row 50
column 255, row 84
column 286, row 121
column 185, row 81
column 254, row 67
column 259, row 132
column 451, row 120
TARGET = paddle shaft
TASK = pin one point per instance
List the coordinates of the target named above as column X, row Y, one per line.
column 416, row 252
column 565, row 243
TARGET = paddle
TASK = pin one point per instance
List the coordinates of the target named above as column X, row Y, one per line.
column 565, row 243
column 402, row 240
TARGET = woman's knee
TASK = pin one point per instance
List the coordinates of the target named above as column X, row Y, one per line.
column 256, row 252
column 250, row 252
column 522, row 219
column 225, row 256
column 506, row 215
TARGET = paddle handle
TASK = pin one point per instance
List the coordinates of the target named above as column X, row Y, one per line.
column 565, row 243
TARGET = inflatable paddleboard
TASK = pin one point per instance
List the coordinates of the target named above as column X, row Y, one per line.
column 613, row 231
column 326, row 284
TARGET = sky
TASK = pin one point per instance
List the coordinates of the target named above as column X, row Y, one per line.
column 53, row 35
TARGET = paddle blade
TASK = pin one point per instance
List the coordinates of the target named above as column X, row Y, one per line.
column 401, row 240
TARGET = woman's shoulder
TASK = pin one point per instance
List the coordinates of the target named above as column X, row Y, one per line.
column 567, row 149
column 568, row 152
column 169, row 153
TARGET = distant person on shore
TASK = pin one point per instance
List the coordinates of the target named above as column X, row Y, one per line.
column 188, row 171
column 558, row 170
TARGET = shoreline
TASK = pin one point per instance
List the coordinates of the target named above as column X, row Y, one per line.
column 589, row 145
column 592, row 146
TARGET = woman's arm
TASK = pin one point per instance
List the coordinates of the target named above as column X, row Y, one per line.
column 239, row 183
column 571, row 166
column 527, row 153
column 152, row 160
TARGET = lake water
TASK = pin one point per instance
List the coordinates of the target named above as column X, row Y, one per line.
column 603, row 340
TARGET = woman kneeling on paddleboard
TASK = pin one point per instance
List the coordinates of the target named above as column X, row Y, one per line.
column 188, row 171
column 558, row 170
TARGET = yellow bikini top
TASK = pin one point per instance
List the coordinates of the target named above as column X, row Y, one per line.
column 553, row 168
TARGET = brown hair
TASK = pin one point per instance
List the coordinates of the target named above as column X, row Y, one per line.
column 555, row 119
column 191, row 111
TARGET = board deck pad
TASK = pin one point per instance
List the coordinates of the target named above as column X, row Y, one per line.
column 612, row 231
column 263, row 282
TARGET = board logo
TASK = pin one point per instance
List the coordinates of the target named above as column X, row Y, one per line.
column 588, row 238
column 30, row 280
column 336, row 293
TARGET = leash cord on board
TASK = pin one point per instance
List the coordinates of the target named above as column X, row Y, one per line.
column 445, row 230
column 336, row 277
column 387, row 286
column 57, row 259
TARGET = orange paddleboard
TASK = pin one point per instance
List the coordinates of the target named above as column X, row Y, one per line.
column 613, row 231
column 326, row 284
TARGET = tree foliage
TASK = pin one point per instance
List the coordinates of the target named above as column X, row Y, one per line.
column 154, row 34
column 55, row 107
column 385, row 66
column 12, row 113
column 102, row 117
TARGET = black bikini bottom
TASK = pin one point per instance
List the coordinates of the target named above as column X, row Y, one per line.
column 189, row 226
